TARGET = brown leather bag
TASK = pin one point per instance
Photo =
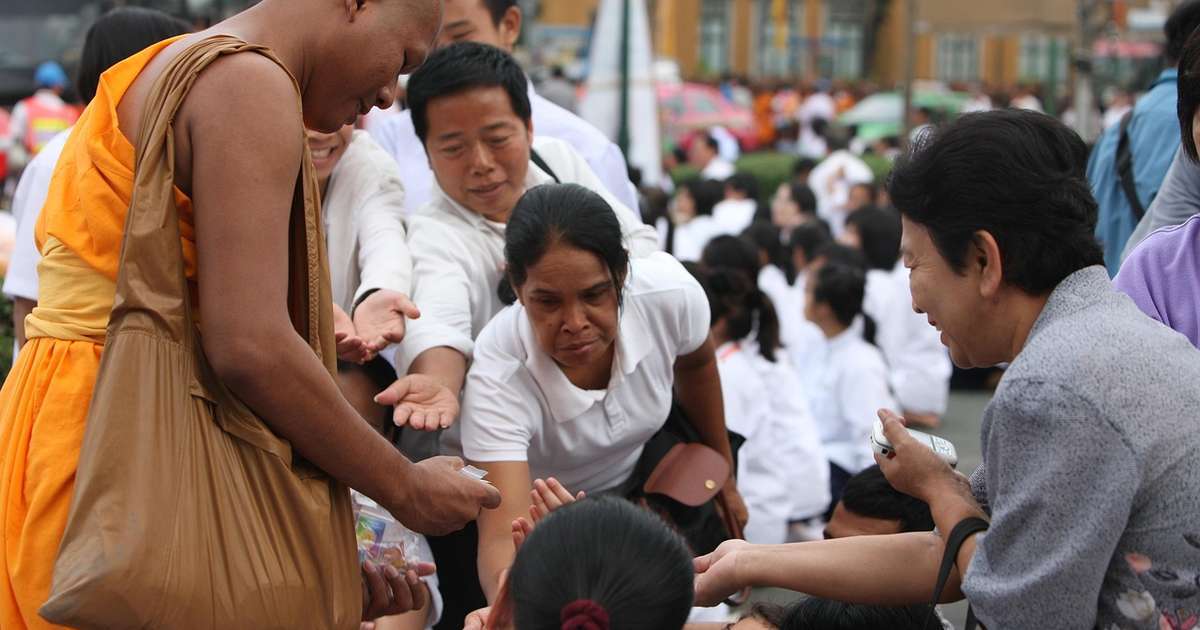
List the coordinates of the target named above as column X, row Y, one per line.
column 189, row 512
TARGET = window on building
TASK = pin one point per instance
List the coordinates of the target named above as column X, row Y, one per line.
column 1043, row 57
column 842, row 45
column 774, row 47
column 714, row 36
column 957, row 57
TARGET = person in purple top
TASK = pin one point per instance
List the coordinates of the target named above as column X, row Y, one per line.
column 1163, row 277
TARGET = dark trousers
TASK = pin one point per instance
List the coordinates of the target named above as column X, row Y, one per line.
column 837, row 483
column 458, row 575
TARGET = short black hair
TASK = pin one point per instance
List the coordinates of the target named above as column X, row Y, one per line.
column 838, row 254
column 568, row 213
column 733, row 253
column 809, row 237
column 804, row 197
column 842, row 287
column 117, row 35
column 803, row 165
column 624, row 561
column 869, row 494
column 765, row 236
column 1016, row 174
column 879, row 232
column 711, row 142
column 828, row 614
column 461, row 67
column 1189, row 92
column 706, row 194
column 1178, row 28
column 744, row 183
column 498, row 8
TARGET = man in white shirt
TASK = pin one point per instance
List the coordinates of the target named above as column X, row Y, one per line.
column 498, row 23
column 736, row 212
column 705, row 154
column 831, row 182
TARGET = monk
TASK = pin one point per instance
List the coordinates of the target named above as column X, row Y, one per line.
column 239, row 148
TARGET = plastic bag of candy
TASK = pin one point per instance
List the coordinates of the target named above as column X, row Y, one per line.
column 382, row 539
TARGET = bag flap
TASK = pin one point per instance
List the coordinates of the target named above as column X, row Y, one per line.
column 690, row 473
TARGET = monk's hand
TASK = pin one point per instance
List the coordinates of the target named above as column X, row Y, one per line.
column 388, row 591
column 422, row 402
column 380, row 319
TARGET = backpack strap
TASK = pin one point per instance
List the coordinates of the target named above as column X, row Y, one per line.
column 954, row 543
column 1124, row 166
column 541, row 163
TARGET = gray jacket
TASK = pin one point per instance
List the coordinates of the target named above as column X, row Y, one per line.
column 1090, row 471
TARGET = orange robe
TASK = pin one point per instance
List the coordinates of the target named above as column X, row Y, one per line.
column 44, row 403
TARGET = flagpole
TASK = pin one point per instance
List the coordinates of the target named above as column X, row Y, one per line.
column 623, row 120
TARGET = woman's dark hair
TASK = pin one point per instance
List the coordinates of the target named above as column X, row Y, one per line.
column 879, row 234
column 461, row 67
column 600, row 557
column 706, row 193
column 744, row 183
column 734, row 253
column 732, row 296
column 567, row 213
column 827, row 614
column 118, row 34
column 809, row 237
column 1189, row 92
column 1181, row 23
column 843, row 287
column 804, row 197
column 870, row 494
column 1016, row 174
column 765, row 236
column 498, row 8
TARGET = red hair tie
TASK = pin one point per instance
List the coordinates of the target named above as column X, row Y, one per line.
column 584, row 614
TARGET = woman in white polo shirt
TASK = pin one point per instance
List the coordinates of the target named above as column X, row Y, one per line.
column 574, row 380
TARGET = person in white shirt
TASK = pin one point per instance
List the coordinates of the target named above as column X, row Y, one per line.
column 498, row 23
column 793, row 204
column 690, row 225
column 736, row 212
column 919, row 366
column 470, row 106
column 831, row 182
column 704, row 154
column 846, row 376
column 111, row 38
column 781, row 467
column 728, row 146
column 814, row 116
column 572, row 381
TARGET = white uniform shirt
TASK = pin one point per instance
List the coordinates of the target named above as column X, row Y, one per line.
column 458, row 258
column 847, row 380
column 519, row 406
column 398, row 137
column 364, row 224
column 782, row 470
column 918, row 364
column 717, row 169
column 690, row 238
column 734, row 215
column 831, row 181
column 22, row 279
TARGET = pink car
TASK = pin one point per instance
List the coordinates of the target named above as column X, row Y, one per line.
column 687, row 109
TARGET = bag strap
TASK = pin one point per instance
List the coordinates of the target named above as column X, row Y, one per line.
column 541, row 163
column 954, row 543
column 1124, row 166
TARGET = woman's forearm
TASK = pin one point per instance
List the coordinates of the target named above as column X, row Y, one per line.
column 898, row 569
column 698, row 386
column 445, row 364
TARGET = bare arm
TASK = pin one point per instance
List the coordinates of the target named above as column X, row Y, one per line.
column 246, row 148
column 699, row 387
column 21, row 308
column 496, row 549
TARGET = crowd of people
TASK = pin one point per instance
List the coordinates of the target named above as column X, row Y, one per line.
column 668, row 402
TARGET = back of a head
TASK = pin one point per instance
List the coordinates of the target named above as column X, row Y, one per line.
column 607, row 561
column 733, row 253
column 1178, row 28
column 811, row 613
column 838, row 254
column 461, row 67
column 842, row 287
column 733, row 297
column 706, row 193
column 805, row 198
column 869, row 494
column 765, row 236
column 117, row 35
column 1016, row 174
column 879, row 233
column 810, row 238
column 49, row 74
column 744, row 183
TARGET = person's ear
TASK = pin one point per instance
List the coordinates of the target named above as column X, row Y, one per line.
column 352, row 8
column 515, row 289
column 984, row 257
column 510, row 27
